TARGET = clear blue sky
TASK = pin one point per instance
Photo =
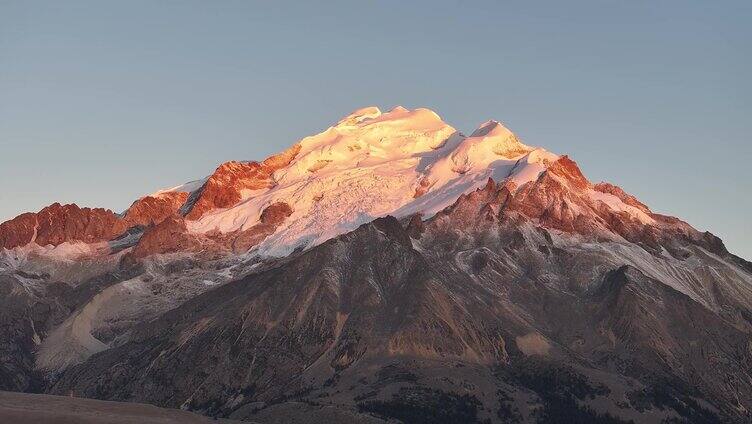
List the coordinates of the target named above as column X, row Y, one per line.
column 101, row 102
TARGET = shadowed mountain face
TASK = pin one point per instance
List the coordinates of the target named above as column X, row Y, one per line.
column 500, row 285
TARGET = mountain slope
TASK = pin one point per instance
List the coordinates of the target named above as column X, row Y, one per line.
column 389, row 267
column 366, row 316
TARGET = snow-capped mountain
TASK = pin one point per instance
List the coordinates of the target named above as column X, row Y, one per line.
column 388, row 267
column 368, row 165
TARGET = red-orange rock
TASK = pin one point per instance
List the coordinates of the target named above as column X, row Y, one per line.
column 224, row 187
column 19, row 231
column 423, row 186
column 567, row 168
column 150, row 210
column 170, row 235
column 58, row 223
column 274, row 215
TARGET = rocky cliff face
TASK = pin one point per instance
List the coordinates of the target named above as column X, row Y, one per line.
column 19, row 231
column 58, row 223
column 226, row 186
column 151, row 210
column 168, row 236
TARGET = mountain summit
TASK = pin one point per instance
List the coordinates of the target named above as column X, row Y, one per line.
column 387, row 268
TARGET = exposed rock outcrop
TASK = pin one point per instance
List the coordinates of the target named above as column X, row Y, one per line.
column 153, row 209
column 18, row 231
column 58, row 223
column 226, row 186
column 168, row 236
column 274, row 215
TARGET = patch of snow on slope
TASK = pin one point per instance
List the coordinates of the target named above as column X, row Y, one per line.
column 530, row 167
column 64, row 252
column 617, row 204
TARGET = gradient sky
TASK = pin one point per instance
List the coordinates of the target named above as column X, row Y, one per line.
column 101, row 102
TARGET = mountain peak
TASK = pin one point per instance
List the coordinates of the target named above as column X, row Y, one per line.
column 488, row 127
column 499, row 140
